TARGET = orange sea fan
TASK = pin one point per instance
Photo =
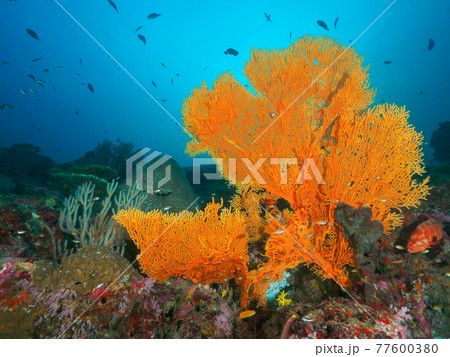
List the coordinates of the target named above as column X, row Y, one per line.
column 206, row 247
column 311, row 102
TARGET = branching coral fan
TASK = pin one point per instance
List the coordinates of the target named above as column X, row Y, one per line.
column 311, row 102
column 208, row 246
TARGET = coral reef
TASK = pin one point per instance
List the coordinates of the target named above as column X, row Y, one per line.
column 312, row 110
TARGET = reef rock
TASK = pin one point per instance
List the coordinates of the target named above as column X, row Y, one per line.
column 84, row 270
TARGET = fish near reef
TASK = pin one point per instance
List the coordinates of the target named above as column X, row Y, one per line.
column 91, row 88
column 430, row 44
column 142, row 38
column 427, row 234
column 153, row 16
column 231, row 51
column 323, row 25
column 113, row 5
column 33, row 34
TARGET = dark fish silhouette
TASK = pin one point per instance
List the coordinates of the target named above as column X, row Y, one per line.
column 137, row 29
column 154, row 84
column 33, row 34
column 290, row 36
column 46, row 70
column 162, row 64
column 81, row 62
column 267, row 17
column 422, row 92
column 430, row 44
column 171, row 81
column 153, row 16
column 36, row 59
column 336, row 21
column 231, row 51
column 164, row 100
column 90, row 87
column 387, row 62
column 177, row 74
column 323, row 25
column 76, row 112
column 31, row 76
column 142, row 38
column 113, row 5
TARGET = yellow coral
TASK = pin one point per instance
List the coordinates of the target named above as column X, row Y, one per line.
column 282, row 301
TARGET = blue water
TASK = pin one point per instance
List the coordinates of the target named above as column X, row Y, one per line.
column 190, row 38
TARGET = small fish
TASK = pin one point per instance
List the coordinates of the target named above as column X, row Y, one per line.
column 421, row 92
column 154, row 84
column 32, row 90
column 437, row 308
column 23, row 91
column 142, row 38
column 177, row 74
column 167, row 208
column 81, row 62
column 46, row 70
column 427, row 234
column 309, row 235
column 6, row 63
column 426, row 251
column 336, row 21
column 272, row 115
column 231, row 51
column 322, row 223
column 162, row 64
column 76, row 112
column 171, row 81
column 9, row 106
column 60, row 67
column 95, row 199
column 31, row 76
column 387, row 62
column 33, row 34
column 91, row 88
column 430, row 44
column 267, row 17
column 400, row 247
column 306, row 319
column 77, row 74
column 36, row 59
column 448, row 274
column 290, row 36
column 383, row 200
column 21, row 232
column 53, row 87
column 246, row 314
column 191, row 291
column 76, row 241
column 113, row 5
column 137, row 29
column 153, row 16
column 323, row 25
column 280, row 231
column 397, row 261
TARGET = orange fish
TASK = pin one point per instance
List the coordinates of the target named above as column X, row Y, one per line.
column 426, row 234
column 245, row 314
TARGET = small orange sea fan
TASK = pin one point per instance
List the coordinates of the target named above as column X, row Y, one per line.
column 206, row 247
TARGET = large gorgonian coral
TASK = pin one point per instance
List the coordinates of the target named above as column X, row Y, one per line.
column 311, row 101
column 206, row 247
